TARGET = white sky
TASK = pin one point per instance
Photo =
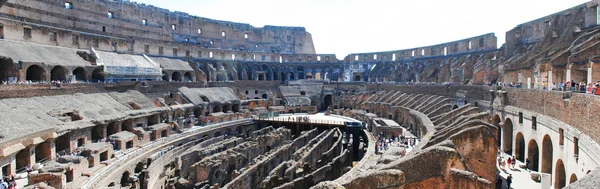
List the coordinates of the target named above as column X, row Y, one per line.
column 342, row 27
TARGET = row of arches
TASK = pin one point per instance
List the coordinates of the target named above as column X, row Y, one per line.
column 540, row 155
column 37, row 73
column 177, row 77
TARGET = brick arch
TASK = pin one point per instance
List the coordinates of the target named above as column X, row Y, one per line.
column 35, row 72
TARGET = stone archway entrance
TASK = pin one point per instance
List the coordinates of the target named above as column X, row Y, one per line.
column 98, row 75
column 357, row 78
column 520, row 147
column 7, row 69
column 58, row 73
column 328, row 101
column 35, row 73
column 507, row 134
column 547, row 155
column 533, row 154
column 176, row 77
column 80, row 74
column 560, row 178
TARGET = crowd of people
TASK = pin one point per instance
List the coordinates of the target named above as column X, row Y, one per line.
column 581, row 87
column 8, row 183
column 384, row 143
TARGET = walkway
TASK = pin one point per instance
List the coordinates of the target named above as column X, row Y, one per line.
column 521, row 177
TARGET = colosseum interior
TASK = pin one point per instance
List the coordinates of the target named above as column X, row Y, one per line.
column 143, row 97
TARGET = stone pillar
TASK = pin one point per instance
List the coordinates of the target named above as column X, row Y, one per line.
column 549, row 78
column 589, row 74
column 568, row 74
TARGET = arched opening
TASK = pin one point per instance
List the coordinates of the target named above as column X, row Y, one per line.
column 98, row 75
column 79, row 74
column 261, row 77
column 235, row 108
column 520, row 147
column 165, row 76
column 217, row 108
column 22, row 158
column 292, row 77
column 226, row 107
column 187, row 77
column 357, row 78
column 7, row 69
column 176, row 76
column 560, row 179
column 265, row 96
column 239, row 130
column 547, row 155
column 125, row 179
column 455, row 107
column 43, row 151
column 282, row 76
column 112, row 128
column 58, row 73
column 533, row 154
column 328, row 101
column 573, row 178
column 218, row 133
column 507, row 136
column 228, row 132
column 35, row 73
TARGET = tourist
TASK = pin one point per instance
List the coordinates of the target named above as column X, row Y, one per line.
column 514, row 162
column 509, row 180
column 527, row 164
column 3, row 184
column 509, row 162
column 499, row 161
column 29, row 169
column 12, row 184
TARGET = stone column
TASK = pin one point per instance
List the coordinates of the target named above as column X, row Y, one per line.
column 550, row 78
column 568, row 74
column 589, row 72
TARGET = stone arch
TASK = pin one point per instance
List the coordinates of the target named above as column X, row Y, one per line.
column 327, row 101
column 573, row 178
column 58, row 73
column 300, row 72
column 292, row 76
column 98, row 75
column 217, row 108
column 35, row 73
column 7, row 69
column 125, row 179
column 560, row 179
column 231, row 72
column 357, row 77
column 533, row 154
column 455, row 107
column 547, row 151
column 268, row 72
column 226, row 107
column 217, row 134
column 235, row 107
column 228, row 132
column 187, row 77
column 80, row 74
column 176, row 76
column 507, row 134
column 274, row 72
column 520, row 147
